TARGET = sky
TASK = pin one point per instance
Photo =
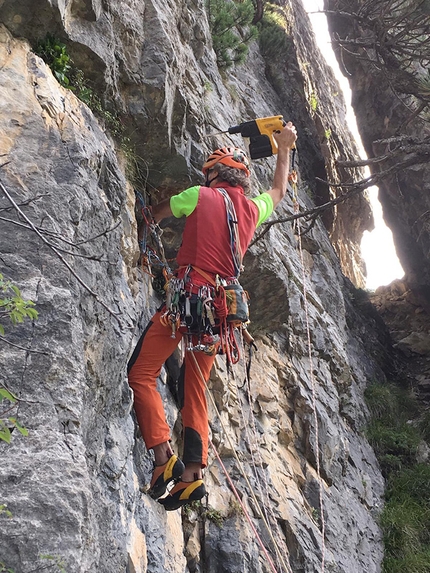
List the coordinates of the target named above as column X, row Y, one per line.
column 377, row 246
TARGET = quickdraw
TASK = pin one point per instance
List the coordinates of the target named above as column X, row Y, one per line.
column 293, row 179
column 201, row 314
column 152, row 256
column 189, row 309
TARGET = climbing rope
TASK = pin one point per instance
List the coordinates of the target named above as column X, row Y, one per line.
column 233, row 447
column 293, row 181
column 149, row 256
column 245, row 511
column 233, row 228
column 256, row 458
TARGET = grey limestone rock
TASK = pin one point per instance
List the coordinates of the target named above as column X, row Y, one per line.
column 76, row 486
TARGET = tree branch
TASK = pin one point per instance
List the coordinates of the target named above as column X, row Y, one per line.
column 60, row 238
column 56, row 251
column 355, row 188
column 22, row 347
column 25, row 202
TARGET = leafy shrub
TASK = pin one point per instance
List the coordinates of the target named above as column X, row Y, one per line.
column 16, row 310
column 6, row 423
column 54, row 53
column 313, row 101
column 12, row 305
column 273, row 32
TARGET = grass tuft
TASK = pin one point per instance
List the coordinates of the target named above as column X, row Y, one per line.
column 397, row 428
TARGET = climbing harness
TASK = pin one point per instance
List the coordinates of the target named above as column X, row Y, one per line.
column 210, row 315
column 190, row 310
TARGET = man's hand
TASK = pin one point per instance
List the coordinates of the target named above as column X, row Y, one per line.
column 286, row 137
column 285, row 140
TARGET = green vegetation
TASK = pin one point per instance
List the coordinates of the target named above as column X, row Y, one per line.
column 12, row 305
column 424, row 85
column 273, row 32
column 15, row 309
column 204, row 512
column 394, row 438
column 55, row 54
column 313, row 101
column 406, row 521
column 55, row 561
column 397, row 428
column 231, row 28
column 4, row 511
column 215, row 516
column 6, row 423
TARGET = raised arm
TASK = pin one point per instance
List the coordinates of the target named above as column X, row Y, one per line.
column 285, row 140
column 162, row 210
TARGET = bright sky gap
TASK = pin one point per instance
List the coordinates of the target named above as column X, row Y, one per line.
column 377, row 246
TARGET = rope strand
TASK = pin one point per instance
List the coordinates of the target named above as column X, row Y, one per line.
column 242, row 470
column 245, row 511
column 313, row 386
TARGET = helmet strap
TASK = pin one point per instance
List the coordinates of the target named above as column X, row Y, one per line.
column 209, row 181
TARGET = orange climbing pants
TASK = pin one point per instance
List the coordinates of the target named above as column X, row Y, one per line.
column 154, row 347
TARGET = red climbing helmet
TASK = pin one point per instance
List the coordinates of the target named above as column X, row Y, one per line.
column 230, row 156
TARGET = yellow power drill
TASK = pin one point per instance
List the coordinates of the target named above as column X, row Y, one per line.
column 260, row 132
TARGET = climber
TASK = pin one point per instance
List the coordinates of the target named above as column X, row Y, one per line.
column 204, row 257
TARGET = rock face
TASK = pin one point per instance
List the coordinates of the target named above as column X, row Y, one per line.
column 76, row 485
column 406, row 316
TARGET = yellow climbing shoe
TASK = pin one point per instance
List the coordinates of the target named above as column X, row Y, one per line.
column 184, row 492
column 164, row 474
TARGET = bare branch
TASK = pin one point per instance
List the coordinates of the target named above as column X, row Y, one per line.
column 310, row 215
column 22, row 347
column 394, row 38
column 420, row 151
column 103, row 233
column 60, row 238
column 31, row 200
column 56, row 251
